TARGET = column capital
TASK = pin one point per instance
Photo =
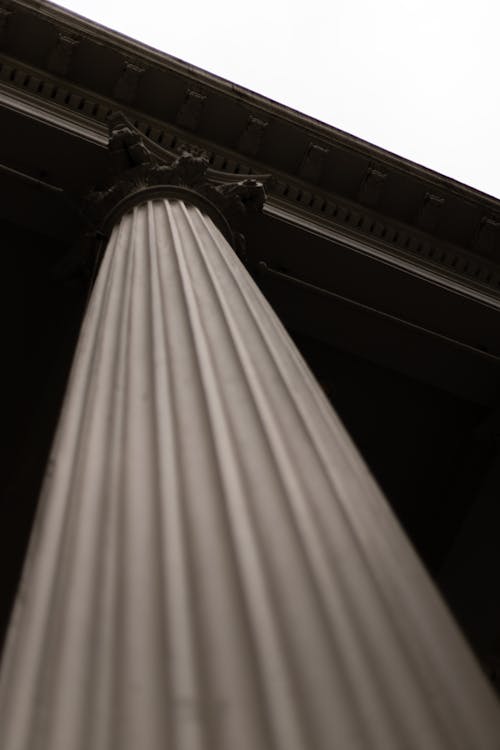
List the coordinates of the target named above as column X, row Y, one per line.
column 141, row 170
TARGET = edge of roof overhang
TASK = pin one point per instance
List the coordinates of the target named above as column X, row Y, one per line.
column 304, row 177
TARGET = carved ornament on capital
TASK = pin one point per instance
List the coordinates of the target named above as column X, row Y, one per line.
column 142, row 170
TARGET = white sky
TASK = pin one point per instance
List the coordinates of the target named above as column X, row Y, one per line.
column 417, row 78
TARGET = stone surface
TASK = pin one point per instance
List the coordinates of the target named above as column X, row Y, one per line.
column 312, row 164
column 430, row 212
column 127, row 85
column 60, row 58
column 372, row 186
column 189, row 114
column 487, row 239
column 140, row 163
column 212, row 565
column 251, row 138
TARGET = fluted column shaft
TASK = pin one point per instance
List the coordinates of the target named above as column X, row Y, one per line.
column 212, row 566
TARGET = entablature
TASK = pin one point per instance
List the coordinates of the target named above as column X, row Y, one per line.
column 326, row 250
column 90, row 71
column 83, row 114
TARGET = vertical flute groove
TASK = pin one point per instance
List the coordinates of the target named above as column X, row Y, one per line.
column 33, row 622
column 284, row 467
column 228, row 476
column 212, row 565
column 310, row 545
column 246, row 290
column 159, row 406
column 99, row 687
column 197, row 687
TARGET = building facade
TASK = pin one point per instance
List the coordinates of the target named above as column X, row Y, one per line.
column 387, row 278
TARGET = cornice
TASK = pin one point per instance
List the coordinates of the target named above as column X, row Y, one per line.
column 40, row 94
column 374, row 248
column 43, row 109
column 71, row 24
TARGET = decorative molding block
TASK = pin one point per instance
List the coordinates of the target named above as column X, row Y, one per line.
column 59, row 60
column 311, row 166
column 251, row 138
column 371, row 187
column 127, row 85
column 487, row 240
column 189, row 114
column 5, row 15
column 429, row 213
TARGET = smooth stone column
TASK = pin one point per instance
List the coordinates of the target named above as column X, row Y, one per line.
column 212, row 566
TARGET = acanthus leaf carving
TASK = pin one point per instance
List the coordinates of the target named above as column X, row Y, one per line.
column 138, row 163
